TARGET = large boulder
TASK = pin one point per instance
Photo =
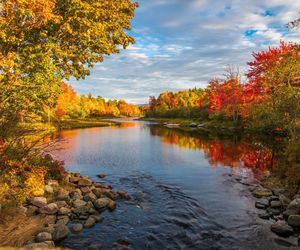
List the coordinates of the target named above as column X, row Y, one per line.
column 281, row 228
column 38, row 201
column 51, row 208
column 60, row 233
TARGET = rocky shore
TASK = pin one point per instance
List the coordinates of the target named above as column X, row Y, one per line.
column 277, row 206
column 69, row 207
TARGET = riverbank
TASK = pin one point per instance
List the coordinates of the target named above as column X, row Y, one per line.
column 66, row 207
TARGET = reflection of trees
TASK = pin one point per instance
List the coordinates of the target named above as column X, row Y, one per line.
column 220, row 151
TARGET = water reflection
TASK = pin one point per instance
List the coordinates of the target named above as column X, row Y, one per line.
column 233, row 152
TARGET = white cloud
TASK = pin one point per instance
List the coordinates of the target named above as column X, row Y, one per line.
column 182, row 44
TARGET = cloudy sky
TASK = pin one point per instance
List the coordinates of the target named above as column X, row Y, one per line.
column 181, row 44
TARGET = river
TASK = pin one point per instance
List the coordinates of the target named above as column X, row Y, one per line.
column 190, row 189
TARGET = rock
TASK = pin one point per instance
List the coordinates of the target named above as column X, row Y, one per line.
column 85, row 182
column 81, row 210
column 284, row 200
column 193, row 125
column 98, row 185
column 38, row 201
column 31, row 210
column 279, row 191
column 49, row 229
column 49, row 189
column 273, row 198
column 62, row 195
column 264, row 215
column 76, row 228
column 41, row 245
column 273, row 211
column 275, row 204
column 79, row 203
column 61, row 204
column 262, row 203
column 289, row 212
column 98, row 218
column 281, row 228
column 76, row 195
column 122, row 194
column 101, row 175
column 294, row 220
column 90, row 222
column 90, row 197
column 85, row 190
column 297, row 196
column 64, row 211
column 74, row 179
column 83, row 217
column 60, row 233
column 51, row 208
column 44, row 236
column 76, row 174
column 98, row 192
column 295, row 205
column 102, row 203
column 64, row 220
column 93, row 211
column 262, row 192
column 38, row 192
column 53, row 183
column 95, row 247
column 50, row 219
column 112, row 205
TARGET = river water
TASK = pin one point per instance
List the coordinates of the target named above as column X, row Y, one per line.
column 190, row 189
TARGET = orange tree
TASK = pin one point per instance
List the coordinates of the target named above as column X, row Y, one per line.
column 45, row 41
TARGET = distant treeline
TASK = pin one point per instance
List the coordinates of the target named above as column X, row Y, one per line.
column 70, row 105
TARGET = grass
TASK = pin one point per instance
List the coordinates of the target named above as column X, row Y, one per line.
column 18, row 229
column 82, row 123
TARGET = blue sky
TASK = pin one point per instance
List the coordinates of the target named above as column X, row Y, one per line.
column 181, row 44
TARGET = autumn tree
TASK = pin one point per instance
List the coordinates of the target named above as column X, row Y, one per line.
column 43, row 42
column 274, row 74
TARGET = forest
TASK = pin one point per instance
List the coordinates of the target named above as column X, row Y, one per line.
column 266, row 99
